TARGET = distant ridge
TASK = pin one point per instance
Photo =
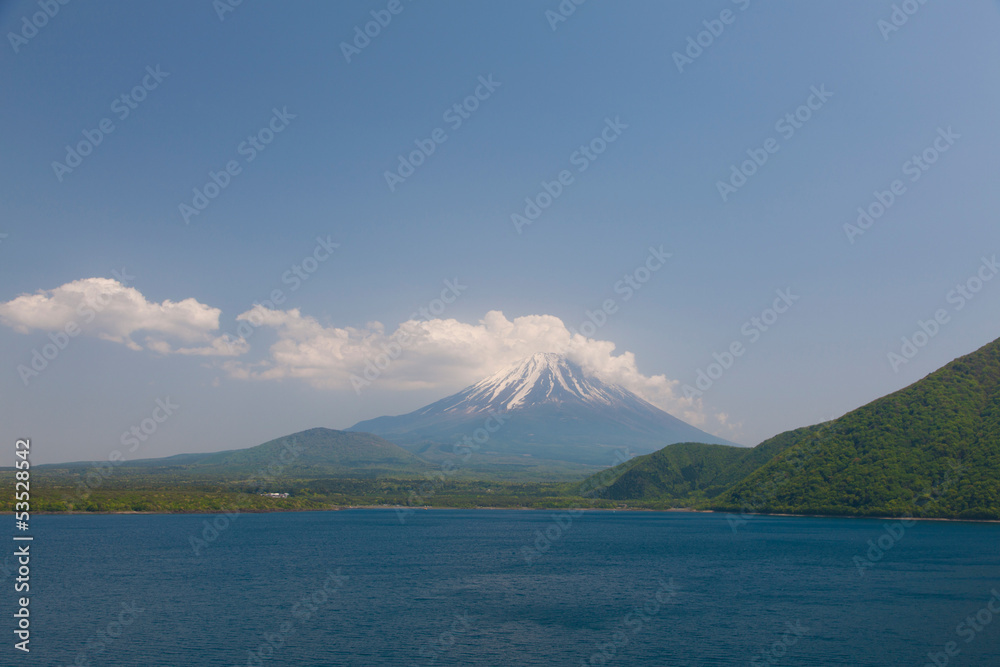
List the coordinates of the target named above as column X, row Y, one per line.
column 314, row 452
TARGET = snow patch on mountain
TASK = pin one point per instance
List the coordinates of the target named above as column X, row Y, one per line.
column 544, row 377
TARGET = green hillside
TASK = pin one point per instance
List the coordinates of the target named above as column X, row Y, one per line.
column 931, row 449
column 315, row 452
column 682, row 470
column 688, row 471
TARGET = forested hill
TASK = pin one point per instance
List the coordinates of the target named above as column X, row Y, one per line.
column 930, row 449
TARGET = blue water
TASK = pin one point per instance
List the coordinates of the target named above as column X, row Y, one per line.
column 456, row 588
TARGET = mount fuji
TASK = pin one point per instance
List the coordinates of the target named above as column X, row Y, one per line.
column 543, row 407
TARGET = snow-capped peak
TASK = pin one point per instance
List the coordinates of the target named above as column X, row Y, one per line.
column 544, row 377
column 550, row 408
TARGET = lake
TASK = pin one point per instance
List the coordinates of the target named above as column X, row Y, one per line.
column 482, row 587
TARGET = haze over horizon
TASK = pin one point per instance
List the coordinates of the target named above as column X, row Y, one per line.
column 242, row 229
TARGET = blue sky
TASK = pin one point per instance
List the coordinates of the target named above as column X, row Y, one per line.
column 384, row 253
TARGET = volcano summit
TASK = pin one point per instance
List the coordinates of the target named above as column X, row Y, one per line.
column 543, row 407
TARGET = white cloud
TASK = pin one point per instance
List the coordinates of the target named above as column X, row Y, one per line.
column 447, row 354
column 107, row 309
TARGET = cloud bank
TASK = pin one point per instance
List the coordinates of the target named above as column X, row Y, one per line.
column 429, row 353
column 446, row 354
column 107, row 309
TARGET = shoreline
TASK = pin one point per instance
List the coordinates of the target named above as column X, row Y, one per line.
column 526, row 509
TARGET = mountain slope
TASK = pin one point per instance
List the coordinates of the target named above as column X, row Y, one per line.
column 543, row 407
column 319, row 451
column 682, row 470
column 930, row 449
column 314, row 452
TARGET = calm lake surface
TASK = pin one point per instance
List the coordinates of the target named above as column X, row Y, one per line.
column 357, row 587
